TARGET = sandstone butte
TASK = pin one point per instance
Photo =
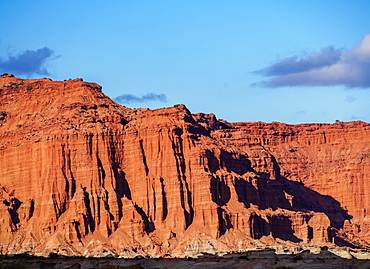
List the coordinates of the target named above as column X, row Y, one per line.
column 83, row 175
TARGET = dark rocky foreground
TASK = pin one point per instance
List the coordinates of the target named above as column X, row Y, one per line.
column 286, row 262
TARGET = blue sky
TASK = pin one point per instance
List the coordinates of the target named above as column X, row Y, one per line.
column 286, row 61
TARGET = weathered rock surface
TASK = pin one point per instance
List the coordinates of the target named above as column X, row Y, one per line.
column 330, row 159
column 82, row 175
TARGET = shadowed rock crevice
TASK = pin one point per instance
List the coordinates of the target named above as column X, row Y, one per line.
column 101, row 170
column 213, row 163
column 220, row 191
column 67, row 172
column 232, row 162
column 31, row 209
column 164, row 200
column 189, row 214
column 143, row 157
column 14, row 216
column 265, row 193
column 237, row 163
column 185, row 193
column 121, row 188
column 258, row 226
column 148, row 224
column 281, row 227
column 247, row 193
column 89, row 222
column 224, row 222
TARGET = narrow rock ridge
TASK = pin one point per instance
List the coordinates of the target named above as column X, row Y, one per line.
column 82, row 175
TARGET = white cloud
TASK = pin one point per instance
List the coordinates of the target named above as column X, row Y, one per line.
column 328, row 67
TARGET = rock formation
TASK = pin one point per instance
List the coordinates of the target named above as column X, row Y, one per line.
column 82, row 175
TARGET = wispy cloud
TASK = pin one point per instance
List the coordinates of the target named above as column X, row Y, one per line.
column 28, row 62
column 354, row 117
column 350, row 99
column 328, row 67
column 300, row 112
column 149, row 97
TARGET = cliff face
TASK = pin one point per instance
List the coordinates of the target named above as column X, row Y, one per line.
column 82, row 175
column 331, row 159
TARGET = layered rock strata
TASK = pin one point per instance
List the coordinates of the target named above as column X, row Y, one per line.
column 82, row 175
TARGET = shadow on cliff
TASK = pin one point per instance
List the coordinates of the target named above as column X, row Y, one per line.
column 294, row 196
column 306, row 198
column 232, row 162
column 266, row 193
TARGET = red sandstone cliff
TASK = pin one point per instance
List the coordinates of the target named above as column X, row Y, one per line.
column 82, row 175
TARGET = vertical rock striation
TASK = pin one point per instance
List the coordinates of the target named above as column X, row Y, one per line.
column 82, row 175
